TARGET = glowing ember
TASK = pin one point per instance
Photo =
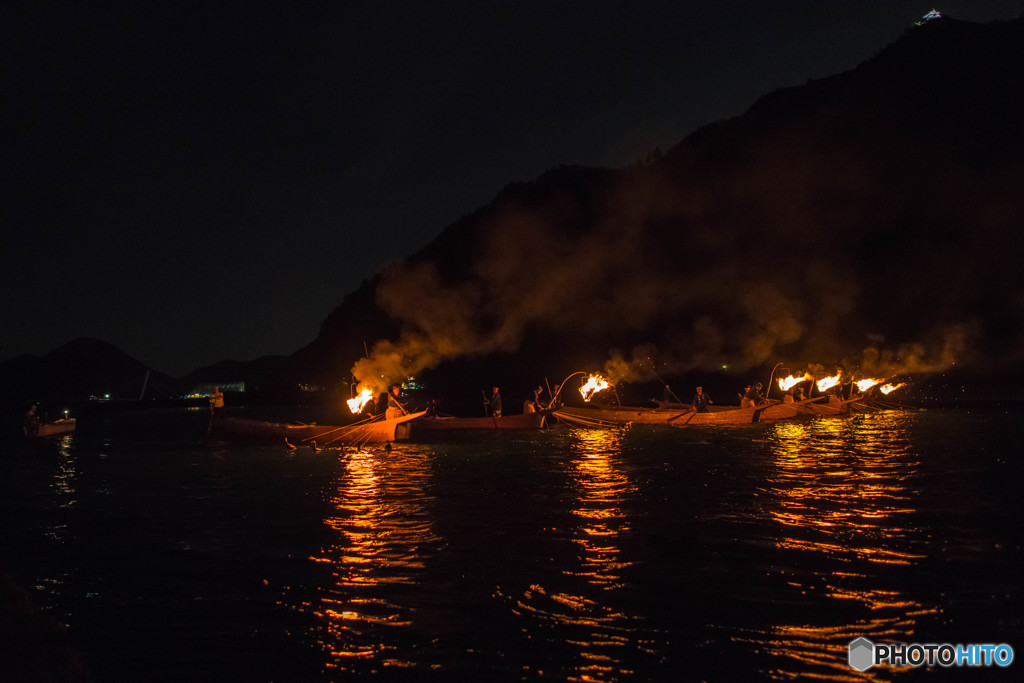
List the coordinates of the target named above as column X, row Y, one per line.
column 594, row 384
column 356, row 404
column 889, row 388
column 791, row 381
column 827, row 383
column 865, row 384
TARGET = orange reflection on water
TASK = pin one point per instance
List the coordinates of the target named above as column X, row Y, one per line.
column 601, row 488
column 383, row 533
column 842, row 497
column 601, row 632
column 65, row 484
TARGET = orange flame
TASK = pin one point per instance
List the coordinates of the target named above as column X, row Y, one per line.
column 826, row 383
column 865, row 384
column 594, row 384
column 791, row 381
column 889, row 388
column 356, row 404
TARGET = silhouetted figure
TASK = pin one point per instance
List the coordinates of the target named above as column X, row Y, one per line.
column 373, row 407
column 217, row 402
column 495, row 403
column 31, row 423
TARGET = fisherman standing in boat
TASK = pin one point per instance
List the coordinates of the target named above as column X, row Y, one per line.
column 495, row 403
column 700, row 400
column 395, row 407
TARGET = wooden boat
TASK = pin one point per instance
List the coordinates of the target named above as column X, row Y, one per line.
column 720, row 415
column 620, row 416
column 837, row 407
column 58, row 427
column 375, row 431
column 616, row 416
column 437, row 425
column 788, row 410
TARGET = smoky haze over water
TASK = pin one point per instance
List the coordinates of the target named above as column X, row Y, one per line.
column 865, row 221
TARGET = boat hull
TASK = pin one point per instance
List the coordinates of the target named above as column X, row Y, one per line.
column 378, row 431
column 720, row 416
column 57, row 428
column 787, row 411
column 658, row 416
column 616, row 416
column 836, row 407
column 441, row 425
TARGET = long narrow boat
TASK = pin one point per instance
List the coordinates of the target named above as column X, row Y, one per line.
column 616, row 416
column 57, row 427
column 788, row 410
column 676, row 416
column 720, row 415
column 437, row 425
column 838, row 407
column 375, row 431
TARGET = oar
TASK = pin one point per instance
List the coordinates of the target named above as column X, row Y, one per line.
column 691, row 413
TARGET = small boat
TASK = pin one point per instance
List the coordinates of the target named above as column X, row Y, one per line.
column 57, row 427
column 373, row 431
column 442, row 424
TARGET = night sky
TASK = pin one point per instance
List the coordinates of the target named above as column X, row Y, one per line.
column 198, row 182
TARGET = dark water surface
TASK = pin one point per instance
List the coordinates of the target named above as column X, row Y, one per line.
column 754, row 553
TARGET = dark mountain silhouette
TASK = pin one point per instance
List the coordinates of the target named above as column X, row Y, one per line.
column 81, row 369
column 867, row 220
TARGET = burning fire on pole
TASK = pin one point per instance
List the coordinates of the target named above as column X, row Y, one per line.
column 356, row 404
column 789, row 382
column 865, row 384
column 826, row 383
column 889, row 388
column 594, row 384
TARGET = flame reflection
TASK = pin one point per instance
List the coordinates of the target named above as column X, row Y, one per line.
column 65, row 484
column 383, row 535
column 841, row 500
column 602, row 631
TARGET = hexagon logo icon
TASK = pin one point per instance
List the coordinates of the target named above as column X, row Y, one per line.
column 862, row 654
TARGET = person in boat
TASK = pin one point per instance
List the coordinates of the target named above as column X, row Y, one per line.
column 532, row 405
column 752, row 397
column 495, row 403
column 395, row 407
column 373, row 406
column 701, row 400
column 794, row 395
column 31, row 423
column 217, row 402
